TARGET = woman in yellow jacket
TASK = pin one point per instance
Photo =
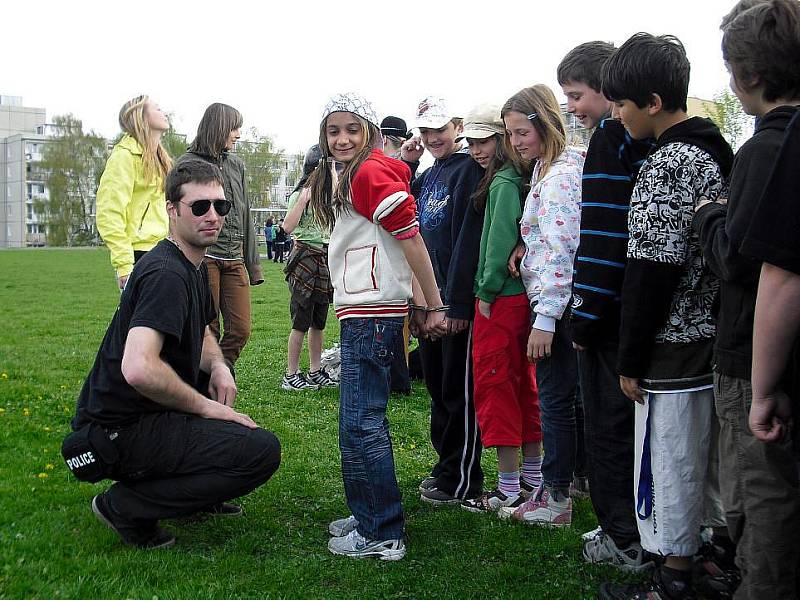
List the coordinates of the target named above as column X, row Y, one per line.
column 131, row 208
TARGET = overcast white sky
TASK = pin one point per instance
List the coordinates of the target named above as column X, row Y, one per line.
column 278, row 62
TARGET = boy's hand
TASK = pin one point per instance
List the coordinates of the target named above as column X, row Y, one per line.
column 771, row 417
column 630, row 387
column 411, row 150
column 436, row 325
column 455, row 326
column 515, row 259
column 416, row 324
column 485, row 308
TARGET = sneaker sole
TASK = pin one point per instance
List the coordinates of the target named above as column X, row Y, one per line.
column 434, row 502
column 290, row 388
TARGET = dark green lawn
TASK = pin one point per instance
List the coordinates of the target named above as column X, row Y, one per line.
column 56, row 305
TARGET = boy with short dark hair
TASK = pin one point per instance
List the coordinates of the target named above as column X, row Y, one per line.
column 761, row 42
column 667, row 330
column 612, row 162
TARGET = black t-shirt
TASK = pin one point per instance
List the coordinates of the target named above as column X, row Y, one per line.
column 165, row 292
column 774, row 232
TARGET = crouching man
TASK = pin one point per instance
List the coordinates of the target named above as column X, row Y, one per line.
column 173, row 450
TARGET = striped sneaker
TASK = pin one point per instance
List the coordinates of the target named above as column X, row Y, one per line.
column 297, row 382
column 321, row 379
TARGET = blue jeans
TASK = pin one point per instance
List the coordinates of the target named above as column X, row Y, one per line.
column 370, row 484
column 557, row 380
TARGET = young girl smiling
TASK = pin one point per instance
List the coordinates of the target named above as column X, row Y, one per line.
column 374, row 249
column 550, row 229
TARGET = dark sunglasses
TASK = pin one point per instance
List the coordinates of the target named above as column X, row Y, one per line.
column 200, row 207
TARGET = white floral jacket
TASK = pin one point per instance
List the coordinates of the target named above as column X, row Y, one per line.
column 550, row 229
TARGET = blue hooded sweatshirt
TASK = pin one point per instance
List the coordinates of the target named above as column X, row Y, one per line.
column 451, row 227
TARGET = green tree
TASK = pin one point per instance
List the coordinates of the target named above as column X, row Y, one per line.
column 729, row 116
column 71, row 165
column 175, row 143
column 263, row 164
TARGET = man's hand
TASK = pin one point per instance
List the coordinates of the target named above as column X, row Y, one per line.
column 412, row 150
column 771, row 417
column 540, row 344
column 122, row 280
column 630, row 387
column 515, row 259
column 222, row 385
column 485, row 308
column 217, row 410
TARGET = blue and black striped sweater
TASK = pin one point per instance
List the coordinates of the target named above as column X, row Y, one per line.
column 612, row 162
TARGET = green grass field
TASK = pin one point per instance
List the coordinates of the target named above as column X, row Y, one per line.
column 56, row 305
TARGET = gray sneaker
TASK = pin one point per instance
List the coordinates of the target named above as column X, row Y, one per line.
column 355, row 545
column 342, row 527
column 602, row 549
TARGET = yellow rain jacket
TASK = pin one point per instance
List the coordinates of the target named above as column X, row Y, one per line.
column 131, row 212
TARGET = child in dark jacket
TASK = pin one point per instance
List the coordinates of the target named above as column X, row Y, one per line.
column 763, row 511
column 451, row 228
column 667, row 328
column 612, row 162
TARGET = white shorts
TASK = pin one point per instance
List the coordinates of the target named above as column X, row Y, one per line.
column 681, row 429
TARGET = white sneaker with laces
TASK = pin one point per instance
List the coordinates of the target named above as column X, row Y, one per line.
column 593, row 534
column 355, row 545
column 604, row 550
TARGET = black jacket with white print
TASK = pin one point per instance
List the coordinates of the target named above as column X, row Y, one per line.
column 667, row 327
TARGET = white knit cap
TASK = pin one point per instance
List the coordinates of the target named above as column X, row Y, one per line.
column 352, row 103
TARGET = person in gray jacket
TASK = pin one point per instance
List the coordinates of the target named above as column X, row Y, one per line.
column 233, row 262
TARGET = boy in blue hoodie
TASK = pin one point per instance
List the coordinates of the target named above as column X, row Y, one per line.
column 667, row 329
column 451, row 228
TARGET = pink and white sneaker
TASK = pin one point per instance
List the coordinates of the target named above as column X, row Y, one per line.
column 543, row 508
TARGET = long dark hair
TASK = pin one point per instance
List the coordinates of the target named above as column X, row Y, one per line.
column 214, row 128
column 499, row 160
column 325, row 200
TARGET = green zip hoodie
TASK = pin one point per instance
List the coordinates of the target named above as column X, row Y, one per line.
column 499, row 237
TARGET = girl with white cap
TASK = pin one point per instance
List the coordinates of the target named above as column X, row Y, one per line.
column 375, row 250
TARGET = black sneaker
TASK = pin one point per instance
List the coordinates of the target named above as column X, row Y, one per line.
column 715, row 574
column 322, row 379
column 224, row 509
column 438, row 497
column 428, row 483
column 655, row 589
column 143, row 538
